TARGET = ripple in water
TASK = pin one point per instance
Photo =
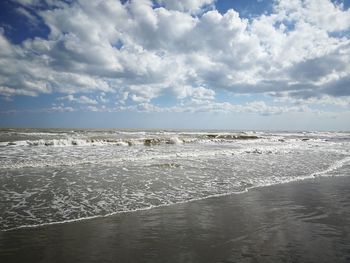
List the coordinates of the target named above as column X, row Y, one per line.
column 47, row 184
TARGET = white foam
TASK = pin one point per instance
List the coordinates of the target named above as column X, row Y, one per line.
column 136, row 138
column 122, row 212
column 245, row 149
column 132, row 176
column 65, row 142
column 336, row 165
column 175, row 140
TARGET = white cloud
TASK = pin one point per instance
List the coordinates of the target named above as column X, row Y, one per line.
column 31, row 18
column 81, row 100
column 139, row 52
column 323, row 14
column 6, row 49
column 194, row 106
column 199, row 93
column 54, row 108
column 86, row 100
column 303, row 99
column 6, row 91
column 59, row 109
column 193, row 6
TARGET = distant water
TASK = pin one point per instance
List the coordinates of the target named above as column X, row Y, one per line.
column 55, row 175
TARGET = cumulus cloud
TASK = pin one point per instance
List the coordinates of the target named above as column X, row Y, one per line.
column 82, row 99
column 140, row 51
column 193, row 6
column 322, row 14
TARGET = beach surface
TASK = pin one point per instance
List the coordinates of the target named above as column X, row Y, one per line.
column 305, row 221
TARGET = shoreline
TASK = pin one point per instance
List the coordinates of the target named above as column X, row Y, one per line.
column 187, row 232
column 314, row 176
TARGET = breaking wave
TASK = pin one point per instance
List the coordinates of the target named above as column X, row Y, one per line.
column 56, row 177
column 152, row 141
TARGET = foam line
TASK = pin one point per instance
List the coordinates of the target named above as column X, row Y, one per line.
column 324, row 173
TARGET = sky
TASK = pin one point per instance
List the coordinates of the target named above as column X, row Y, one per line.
column 185, row 64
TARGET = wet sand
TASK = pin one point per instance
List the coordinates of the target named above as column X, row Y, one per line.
column 305, row 221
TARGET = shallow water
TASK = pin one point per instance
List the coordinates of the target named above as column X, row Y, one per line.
column 304, row 221
column 55, row 176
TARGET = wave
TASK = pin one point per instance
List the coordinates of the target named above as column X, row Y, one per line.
column 92, row 142
column 155, row 138
column 147, row 157
column 147, row 141
column 324, row 173
column 336, row 165
column 117, row 212
column 144, row 158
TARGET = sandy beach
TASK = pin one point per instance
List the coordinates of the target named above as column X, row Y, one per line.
column 306, row 221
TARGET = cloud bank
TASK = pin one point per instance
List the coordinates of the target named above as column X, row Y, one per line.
column 138, row 51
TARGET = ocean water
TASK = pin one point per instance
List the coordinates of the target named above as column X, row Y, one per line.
column 50, row 176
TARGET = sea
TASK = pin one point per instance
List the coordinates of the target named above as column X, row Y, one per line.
column 54, row 176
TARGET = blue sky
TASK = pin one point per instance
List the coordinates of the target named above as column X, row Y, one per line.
column 187, row 64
